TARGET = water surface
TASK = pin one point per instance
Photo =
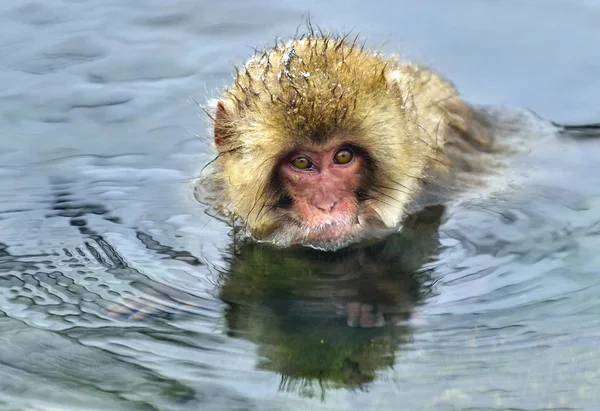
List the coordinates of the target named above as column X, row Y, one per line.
column 118, row 292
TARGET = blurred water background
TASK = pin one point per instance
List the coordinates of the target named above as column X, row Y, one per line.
column 117, row 291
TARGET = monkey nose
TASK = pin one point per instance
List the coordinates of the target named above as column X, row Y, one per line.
column 326, row 206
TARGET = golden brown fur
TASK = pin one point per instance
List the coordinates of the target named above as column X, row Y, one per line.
column 410, row 122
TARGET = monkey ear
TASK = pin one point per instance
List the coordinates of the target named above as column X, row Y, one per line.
column 400, row 82
column 220, row 124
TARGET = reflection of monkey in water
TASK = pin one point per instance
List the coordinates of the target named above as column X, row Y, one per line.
column 319, row 319
column 302, row 307
column 323, row 143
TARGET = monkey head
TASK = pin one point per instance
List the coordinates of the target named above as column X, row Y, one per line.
column 320, row 143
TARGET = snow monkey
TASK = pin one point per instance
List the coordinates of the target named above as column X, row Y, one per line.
column 324, row 143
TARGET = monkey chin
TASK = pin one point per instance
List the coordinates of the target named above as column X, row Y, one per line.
column 325, row 237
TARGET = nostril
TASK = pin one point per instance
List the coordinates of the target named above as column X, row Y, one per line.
column 327, row 207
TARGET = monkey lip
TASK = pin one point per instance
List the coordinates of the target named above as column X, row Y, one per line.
column 331, row 231
column 328, row 234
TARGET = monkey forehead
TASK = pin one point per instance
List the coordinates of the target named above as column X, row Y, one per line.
column 335, row 142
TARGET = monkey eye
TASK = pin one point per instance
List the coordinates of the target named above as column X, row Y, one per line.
column 343, row 156
column 301, row 163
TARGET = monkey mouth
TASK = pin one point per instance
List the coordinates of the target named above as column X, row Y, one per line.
column 326, row 233
column 334, row 228
column 332, row 235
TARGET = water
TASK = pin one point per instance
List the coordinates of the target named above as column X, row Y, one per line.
column 118, row 292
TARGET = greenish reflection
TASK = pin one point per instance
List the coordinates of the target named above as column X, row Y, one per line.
column 331, row 319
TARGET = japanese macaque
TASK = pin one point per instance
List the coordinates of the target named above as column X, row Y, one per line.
column 324, row 143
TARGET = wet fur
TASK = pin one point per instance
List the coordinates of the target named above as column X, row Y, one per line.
column 415, row 130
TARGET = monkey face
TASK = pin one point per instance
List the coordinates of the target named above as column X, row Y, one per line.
column 321, row 184
column 320, row 193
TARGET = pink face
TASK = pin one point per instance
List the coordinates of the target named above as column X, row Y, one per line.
column 322, row 182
